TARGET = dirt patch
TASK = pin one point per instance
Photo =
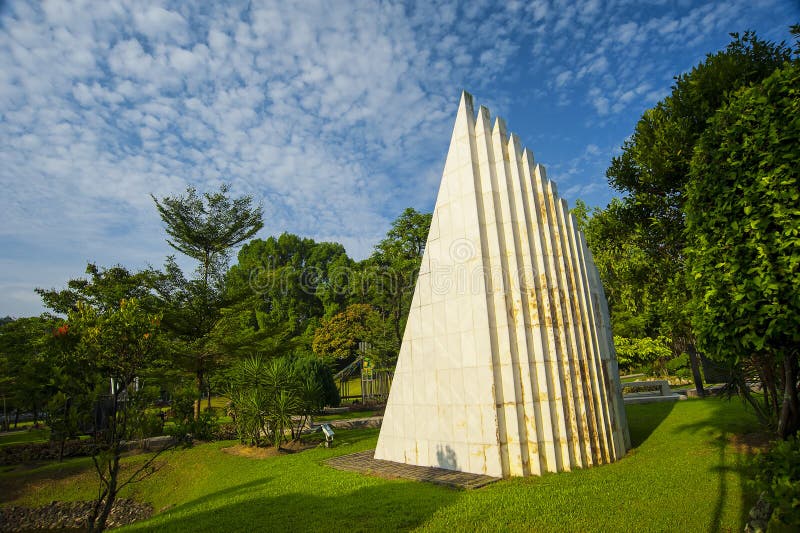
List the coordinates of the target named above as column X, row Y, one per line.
column 750, row 443
column 254, row 452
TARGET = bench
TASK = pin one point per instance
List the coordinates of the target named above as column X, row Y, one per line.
column 661, row 391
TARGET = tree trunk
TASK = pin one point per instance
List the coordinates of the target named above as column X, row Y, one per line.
column 199, row 403
column 100, row 522
column 789, row 421
column 208, row 390
column 694, row 360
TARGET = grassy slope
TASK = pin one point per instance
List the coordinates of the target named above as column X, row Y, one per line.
column 682, row 475
column 23, row 435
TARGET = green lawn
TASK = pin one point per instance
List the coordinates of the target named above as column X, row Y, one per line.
column 25, row 435
column 347, row 415
column 684, row 474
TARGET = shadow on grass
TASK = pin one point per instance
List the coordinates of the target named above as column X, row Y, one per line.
column 723, row 425
column 15, row 479
column 229, row 492
column 643, row 419
column 389, row 506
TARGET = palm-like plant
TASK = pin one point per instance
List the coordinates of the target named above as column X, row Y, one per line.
column 268, row 395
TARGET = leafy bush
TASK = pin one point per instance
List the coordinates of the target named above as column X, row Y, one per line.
column 202, row 428
column 143, row 423
column 183, row 404
column 743, row 233
column 205, row 426
column 778, row 476
column 679, row 366
column 317, row 369
column 226, row 431
column 645, row 352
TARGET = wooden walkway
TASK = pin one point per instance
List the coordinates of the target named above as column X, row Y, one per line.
column 365, row 463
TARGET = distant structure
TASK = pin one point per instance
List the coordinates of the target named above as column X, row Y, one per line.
column 507, row 366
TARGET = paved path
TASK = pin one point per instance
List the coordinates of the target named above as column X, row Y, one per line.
column 365, row 463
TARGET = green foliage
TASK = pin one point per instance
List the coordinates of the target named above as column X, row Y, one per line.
column 634, row 288
column 182, row 406
column 654, row 166
column 338, row 336
column 635, row 353
column 266, row 394
column 119, row 343
column 27, row 361
column 743, row 219
column 679, row 366
column 639, row 241
column 206, row 228
column 286, row 285
column 743, row 222
column 388, row 277
column 778, row 476
column 319, row 372
column 62, row 417
column 104, row 290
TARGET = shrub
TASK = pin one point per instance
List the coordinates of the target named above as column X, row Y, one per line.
column 778, row 476
column 317, row 369
column 679, row 366
column 637, row 353
column 272, row 397
column 203, row 427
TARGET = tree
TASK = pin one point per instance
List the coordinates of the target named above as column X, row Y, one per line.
column 27, row 364
column 206, row 229
column 285, row 285
column 653, row 169
column 387, row 279
column 634, row 353
column 743, row 226
column 632, row 286
column 338, row 336
column 291, row 280
column 120, row 344
column 104, row 290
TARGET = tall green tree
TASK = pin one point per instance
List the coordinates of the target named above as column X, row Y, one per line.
column 653, row 170
column 286, row 285
column 206, row 228
column 387, row 279
column 743, row 226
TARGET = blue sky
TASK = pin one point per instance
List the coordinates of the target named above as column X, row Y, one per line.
column 336, row 115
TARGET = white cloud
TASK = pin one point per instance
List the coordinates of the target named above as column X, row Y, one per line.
column 335, row 118
column 158, row 23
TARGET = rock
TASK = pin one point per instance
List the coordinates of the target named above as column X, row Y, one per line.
column 759, row 516
column 69, row 515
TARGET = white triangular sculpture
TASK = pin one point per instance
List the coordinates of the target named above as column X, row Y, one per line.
column 507, row 366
